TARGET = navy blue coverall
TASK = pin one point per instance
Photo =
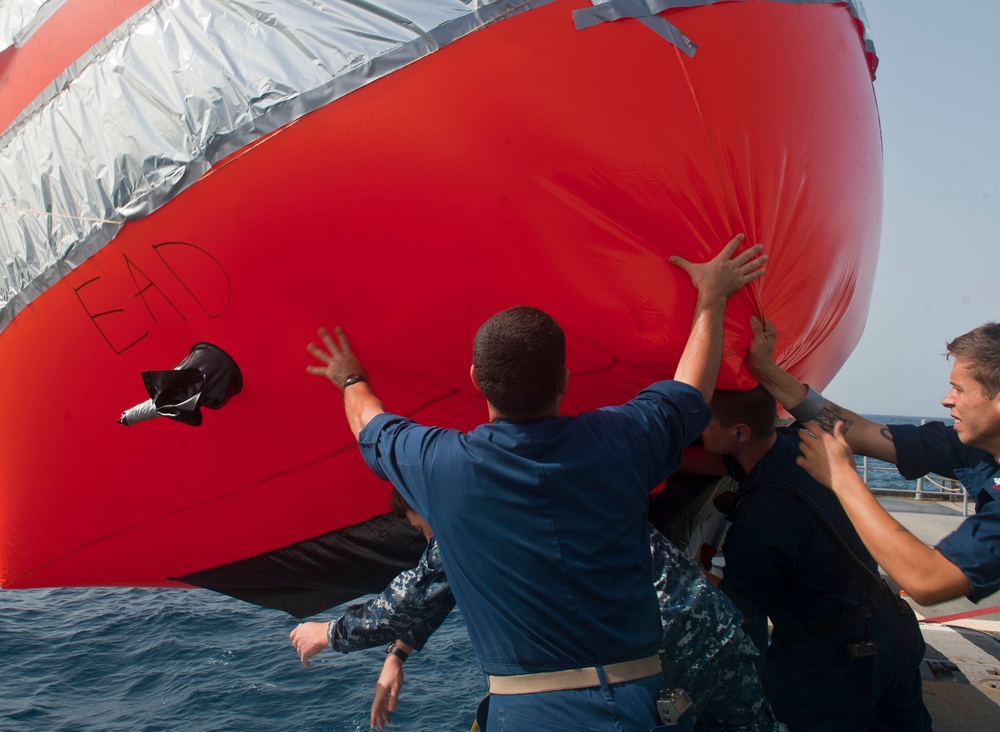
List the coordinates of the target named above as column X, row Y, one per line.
column 781, row 562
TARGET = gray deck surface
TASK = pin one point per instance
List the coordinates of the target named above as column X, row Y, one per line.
column 962, row 665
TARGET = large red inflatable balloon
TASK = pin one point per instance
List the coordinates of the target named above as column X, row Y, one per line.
column 471, row 157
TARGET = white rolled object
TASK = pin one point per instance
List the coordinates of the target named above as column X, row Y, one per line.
column 139, row 413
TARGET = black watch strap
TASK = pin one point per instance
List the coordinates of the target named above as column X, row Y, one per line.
column 397, row 651
column 353, row 379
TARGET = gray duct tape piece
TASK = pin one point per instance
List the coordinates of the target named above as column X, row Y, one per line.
column 647, row 12
column 642, row 10
column 671, row 33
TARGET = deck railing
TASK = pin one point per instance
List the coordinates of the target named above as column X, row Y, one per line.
column 947, row 489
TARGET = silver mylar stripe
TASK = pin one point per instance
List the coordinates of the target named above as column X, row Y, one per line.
column 20, row 18
column 175, row 89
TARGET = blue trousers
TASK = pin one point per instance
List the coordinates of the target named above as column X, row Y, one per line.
column 815, row 687
column 626, row 707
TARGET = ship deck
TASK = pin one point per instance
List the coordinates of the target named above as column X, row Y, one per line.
column 961, row 668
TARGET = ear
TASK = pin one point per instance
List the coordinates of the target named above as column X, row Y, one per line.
column 991, row 438
column 743, row 433
column 564, row 382
column 475, row 381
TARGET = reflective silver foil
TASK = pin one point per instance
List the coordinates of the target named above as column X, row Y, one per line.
column 181, row 85
column 174, row 90
column 20, row 18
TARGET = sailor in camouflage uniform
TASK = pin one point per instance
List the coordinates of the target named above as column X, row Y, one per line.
column 708, row 654
column 410, row 609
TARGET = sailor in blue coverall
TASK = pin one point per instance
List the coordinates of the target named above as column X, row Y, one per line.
column 967, row 562
column 709, row 656
column 541, row 517
column 844, row 652
column 565, row 599
column 974, row 547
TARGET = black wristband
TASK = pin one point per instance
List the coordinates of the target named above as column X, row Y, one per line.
column 397, row 652
column 353, row 379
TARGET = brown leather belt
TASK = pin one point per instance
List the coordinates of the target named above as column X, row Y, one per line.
column 574, row 678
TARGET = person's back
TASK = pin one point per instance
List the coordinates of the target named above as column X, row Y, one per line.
column 578, row 593
column 706, row 653
column 773, row 525
column 527, row 577
column 842, row 656
column 844, row 652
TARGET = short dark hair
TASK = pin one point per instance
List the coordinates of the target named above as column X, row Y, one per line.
column 398, row 504
column 754, row 408
column 519, row 355
column 979, row 350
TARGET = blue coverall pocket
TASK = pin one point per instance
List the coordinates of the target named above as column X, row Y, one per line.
column 511, row 721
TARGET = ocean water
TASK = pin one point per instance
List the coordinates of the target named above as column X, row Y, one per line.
column 193, row 660
column 884, row 476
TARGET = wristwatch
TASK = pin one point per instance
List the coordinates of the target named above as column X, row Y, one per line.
column 397, row 652
column 353, row 379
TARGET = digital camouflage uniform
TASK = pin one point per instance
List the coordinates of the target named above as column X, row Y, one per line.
column 410, row 609
column 709, row 656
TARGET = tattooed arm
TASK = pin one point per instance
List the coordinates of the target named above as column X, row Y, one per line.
column 864, row 436
column 927, row 575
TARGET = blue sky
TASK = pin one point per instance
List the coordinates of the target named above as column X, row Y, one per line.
column 938, row 91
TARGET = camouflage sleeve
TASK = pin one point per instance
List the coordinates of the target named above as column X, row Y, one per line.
column 698, row 620
column 411, row 608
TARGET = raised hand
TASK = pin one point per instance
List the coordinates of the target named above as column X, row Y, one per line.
column 339, row 362
column 724, row 275
column 824, row 455
column 761, row 353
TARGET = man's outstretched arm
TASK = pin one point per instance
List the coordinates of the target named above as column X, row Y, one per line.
column 411, row 608
column 863, row 435
column 344, row 370
column 926, row 574
column 716, row 281
column 388, row 688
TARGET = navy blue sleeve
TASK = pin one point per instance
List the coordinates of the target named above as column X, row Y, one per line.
column 931, row 448
column 974, row 547
column 662, row 420
column 395, row 449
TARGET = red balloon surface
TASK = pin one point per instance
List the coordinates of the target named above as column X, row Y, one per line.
column 527, row 163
